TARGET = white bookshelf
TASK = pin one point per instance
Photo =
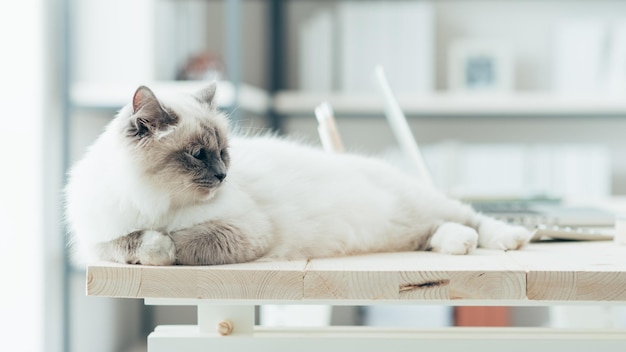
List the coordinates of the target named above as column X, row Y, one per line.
column 441, row 104
column 88, row 95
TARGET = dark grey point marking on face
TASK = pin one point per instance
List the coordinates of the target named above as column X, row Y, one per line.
column 205, row 157
column 191, row 159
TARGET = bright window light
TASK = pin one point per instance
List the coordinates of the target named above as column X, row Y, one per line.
column 21, row 179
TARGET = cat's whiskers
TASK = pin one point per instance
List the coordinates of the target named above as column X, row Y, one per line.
column 180, row 188
column 250, row 130
column 233, row 186
column 232, row 112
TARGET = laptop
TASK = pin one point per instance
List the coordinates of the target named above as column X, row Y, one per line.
column 549, row 218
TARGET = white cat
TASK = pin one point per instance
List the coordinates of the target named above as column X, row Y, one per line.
column 166, row 184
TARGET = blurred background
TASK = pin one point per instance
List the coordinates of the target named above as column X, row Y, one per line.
column 507, row 98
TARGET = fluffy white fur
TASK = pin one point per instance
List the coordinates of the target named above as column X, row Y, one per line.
column 294, row 201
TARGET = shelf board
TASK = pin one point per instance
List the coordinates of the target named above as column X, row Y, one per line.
column 454, row 104
column 540, row 272
column 113, row 96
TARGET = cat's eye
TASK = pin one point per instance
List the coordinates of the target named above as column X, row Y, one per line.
column 199, row 154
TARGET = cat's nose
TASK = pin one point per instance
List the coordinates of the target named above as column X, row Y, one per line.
column 220, row 176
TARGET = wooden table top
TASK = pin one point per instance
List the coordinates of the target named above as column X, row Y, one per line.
column 553, row 271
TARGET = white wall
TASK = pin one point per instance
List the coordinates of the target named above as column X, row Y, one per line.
column 113, row 41
column 21, row 180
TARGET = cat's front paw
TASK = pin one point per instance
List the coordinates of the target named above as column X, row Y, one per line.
column 498, row 235
column 156, row 249
column 452, row 238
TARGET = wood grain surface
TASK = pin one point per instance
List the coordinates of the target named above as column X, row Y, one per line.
column 560, row 271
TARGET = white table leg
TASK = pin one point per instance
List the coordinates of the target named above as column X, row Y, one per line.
column 204, row 335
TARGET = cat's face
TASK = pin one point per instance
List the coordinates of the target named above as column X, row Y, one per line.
column 181, row 146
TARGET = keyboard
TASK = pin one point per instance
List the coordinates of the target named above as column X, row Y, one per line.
column 551, row 221
column 542, row 233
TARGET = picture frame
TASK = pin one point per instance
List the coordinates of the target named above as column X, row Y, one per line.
column 480, row 67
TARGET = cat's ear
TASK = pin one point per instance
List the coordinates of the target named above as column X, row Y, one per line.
column 206, row 95
column 149, row 117
column 144, row 98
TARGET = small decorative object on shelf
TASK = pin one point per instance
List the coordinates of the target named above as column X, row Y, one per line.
column 480, row 66
column 202, row 66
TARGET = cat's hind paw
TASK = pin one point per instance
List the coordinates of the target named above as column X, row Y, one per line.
column 156, row 249
column 453, row 238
